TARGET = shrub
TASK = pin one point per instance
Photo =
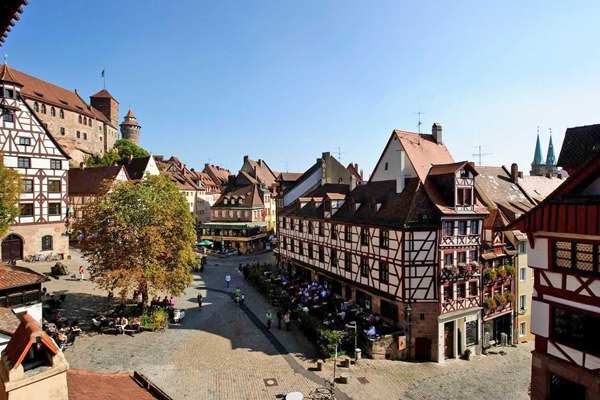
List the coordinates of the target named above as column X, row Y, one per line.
column 466, row 355
column 154, row 319
column 328, row 339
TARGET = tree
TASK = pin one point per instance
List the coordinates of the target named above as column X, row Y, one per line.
column 10, row 188
column 139, row 235
column 122, row 150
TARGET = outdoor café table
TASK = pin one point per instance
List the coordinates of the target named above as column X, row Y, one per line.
column 294, row 396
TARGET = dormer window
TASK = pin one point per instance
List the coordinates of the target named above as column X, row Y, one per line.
column 464, row 197
column 464, row 173
column 225, row 201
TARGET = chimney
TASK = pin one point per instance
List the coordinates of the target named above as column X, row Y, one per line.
column 230, row 179
column 514, row 172
column 436, row 131
column 82, row 166
column 245, row 158
column 520, row 174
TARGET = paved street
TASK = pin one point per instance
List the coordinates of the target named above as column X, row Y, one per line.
column 224, row 352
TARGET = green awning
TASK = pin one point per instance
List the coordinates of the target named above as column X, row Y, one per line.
column 204, row 243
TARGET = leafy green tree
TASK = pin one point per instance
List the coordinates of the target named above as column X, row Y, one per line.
column 10, row 188
column 139, row 235
column 122, row 150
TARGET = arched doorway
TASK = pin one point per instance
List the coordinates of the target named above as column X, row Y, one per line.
column 12, row 248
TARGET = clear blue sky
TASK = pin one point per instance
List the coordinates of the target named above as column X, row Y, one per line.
column 287, row 80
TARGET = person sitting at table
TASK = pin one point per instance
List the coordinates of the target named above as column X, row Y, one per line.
column 371, row 332
column 121, row 324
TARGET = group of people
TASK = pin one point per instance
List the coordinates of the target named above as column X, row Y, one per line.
column 282, row 315
column 59, row 329
column 165, row 302
column 120, row 324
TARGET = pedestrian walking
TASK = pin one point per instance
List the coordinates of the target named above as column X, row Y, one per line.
column 81, row 273
column 227, row 279
column 199, row 301
column 287, row 320
column 240, row 270
column 269, row 316
column 279, row 318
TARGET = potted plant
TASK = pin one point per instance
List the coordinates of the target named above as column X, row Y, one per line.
column 500, row 299
column 475, row 266
column 502, row 271
column 462, row 268
column 489, row 303
column 510, row 297
column 455, row 270
column 490, row 274
column 510, row 270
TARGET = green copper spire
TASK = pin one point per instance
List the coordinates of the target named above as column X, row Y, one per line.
column 537, row 158
column 550, row 159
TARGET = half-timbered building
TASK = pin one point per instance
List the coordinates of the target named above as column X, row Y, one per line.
column 28, row 147
column 405, row 243
column 563, row 234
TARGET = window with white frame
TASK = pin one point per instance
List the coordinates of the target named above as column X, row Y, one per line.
column 523, row 302
column 522, row 274
column 523, row 329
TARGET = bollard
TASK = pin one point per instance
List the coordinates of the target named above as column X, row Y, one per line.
column 320, row 365
column 357, row 354
column 346, row 362
column 345, row 377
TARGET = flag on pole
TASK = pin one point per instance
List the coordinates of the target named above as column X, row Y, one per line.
column 103, row 73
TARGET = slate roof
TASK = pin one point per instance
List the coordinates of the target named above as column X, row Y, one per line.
column 14, row 276
column 9, row 322
column 87, row 385
column 26, row 334
column 90, row 180
column 580, row 145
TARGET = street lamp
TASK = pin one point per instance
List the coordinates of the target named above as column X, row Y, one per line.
column 407, row 325
column 352, row 325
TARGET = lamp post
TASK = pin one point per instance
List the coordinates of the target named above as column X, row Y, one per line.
column 352, row 325
column 407, row 325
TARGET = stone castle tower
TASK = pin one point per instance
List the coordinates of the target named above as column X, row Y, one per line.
column 130, row 129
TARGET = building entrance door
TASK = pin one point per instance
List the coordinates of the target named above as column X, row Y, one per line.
column 12, row 248
column 449, row 339
column 422, row 349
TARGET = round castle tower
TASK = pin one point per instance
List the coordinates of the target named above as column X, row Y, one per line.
column 130, row 129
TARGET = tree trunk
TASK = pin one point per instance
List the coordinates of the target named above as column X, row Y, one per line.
column 144, row 291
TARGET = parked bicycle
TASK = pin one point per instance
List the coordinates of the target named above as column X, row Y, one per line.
column 323, row 392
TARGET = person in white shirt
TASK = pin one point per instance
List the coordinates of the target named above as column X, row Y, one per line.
column 227, row 279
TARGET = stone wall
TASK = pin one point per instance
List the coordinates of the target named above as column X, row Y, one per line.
column 32, row 237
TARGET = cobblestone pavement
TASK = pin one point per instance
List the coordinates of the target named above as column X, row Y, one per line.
column 225, row 352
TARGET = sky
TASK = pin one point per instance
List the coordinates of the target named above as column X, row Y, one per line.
column 284, row 81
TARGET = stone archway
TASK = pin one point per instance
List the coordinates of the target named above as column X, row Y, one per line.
column 12, row 248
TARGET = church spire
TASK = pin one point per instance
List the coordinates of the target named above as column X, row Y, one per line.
column 550, row 159
column 537, row 158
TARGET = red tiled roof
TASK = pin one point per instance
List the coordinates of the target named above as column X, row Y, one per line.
column 90, row 180
column 444, row 169
column 27, row 333
column 104, row 94
column 218, row 174
column 87, row 385
column 249, row 194
column 263, row 172
column 13, row 276
column 8, row 321
column 7, row 76
column 423, row 151
column 130, row 122
column 289, row 176
column 130, row 114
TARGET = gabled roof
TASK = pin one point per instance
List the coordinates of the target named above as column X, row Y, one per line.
column 539, row 187
column 353, row 169
column 581, row 143
column 452, row 168
column 263, row 172
column 104, row 94
column 136, row 168
column 8, row 321
column 218, row 174
column 288, row 176
column 423, row 151
column 7, row 76
column 28, row 332
column 14, row 276
column 249, row 194
column 90, row 180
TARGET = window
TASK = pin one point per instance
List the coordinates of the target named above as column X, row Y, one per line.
column 90, row 122
column 55, row 164
column 522, row 274
column 9, row 93
column 284, row 243
column 301, row 248
column 462, row 228
column 321, row 254
column 364, row 266
column 384, row 238
column 333, row 232
column 473, row 289
column 523, row 302
column 464, row 173
column 347, row 233
column 310, row 251
column 26, row 210
column 23, row 141
column 348, row 261
column 24, row 162
column 389, row 310
column 334, row 258
column 576, row 330
column 300, row 226
column 383, row 271
column 78, row 135
column 8, row 116
column 448, row 258
column 310, row 227
column 53, row 186
column 448, row 293
column 462, row 257
column 43, row 109
column 385, row 166
column 522, row 247
column 36, row 107
column 84, row 136
column 464, row 197
column 523, row 329
column 52, row 112
column 471, row 335
column 27, row 185
column 47, row 242
column 61, row 113
column 364, row 236
column 62, row 130
column 461, row 290
column 80, row 119
column 473, row 255
column 448, row 228
column 583, row 257
column 321, row 228
column 474, row 227
column 53, row 208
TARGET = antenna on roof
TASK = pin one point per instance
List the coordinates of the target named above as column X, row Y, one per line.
column 479, row 154
column 419, row 122
column 339, row 154
column 286, row 167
